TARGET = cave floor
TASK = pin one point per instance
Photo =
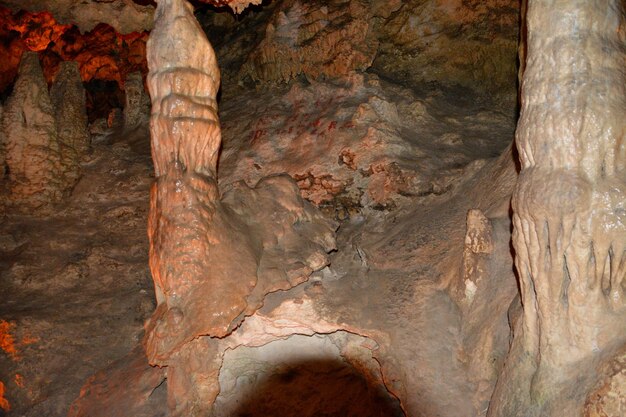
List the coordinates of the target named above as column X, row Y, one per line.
column 75, row 285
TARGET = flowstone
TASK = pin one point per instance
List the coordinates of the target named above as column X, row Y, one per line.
column 213, row 258
column 41, row 169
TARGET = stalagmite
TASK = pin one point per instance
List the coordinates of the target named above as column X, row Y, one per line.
column 68, row 99
column 39, row 173
column 569, row 204
column 137, row 107
column 213, row 259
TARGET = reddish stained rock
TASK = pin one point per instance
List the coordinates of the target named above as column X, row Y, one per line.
column 102, row 53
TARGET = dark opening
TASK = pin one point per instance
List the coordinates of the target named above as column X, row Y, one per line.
column 318, row 388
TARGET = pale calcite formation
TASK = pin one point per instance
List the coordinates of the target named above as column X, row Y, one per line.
column 137, row 106
column 212, row 259
column 41, row 168
column 569, row 204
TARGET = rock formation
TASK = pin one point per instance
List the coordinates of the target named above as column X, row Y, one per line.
column 213, row 259
column 101, row 54
column 124, row 15
column 39, row 171
column 68, row 99
column 2, row 145
column 355, row 143
column 137, row 108
column 471, row 43
column 45, row 135
column 302, row 38
column 437, row 296
column 568, row 208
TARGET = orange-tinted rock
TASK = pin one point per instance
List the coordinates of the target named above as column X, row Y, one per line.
column 102, row 53
column 124, row 15
column 124, row 388
column 212, row 259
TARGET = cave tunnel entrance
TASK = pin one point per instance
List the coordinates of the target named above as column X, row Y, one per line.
column 305, row 376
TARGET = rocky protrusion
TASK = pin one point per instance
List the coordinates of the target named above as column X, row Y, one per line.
column 213, row 260
column 38, row 173
column 569, row 204
column 478, row 244
column 332, row 40
column 68, row 99
column 137, row 109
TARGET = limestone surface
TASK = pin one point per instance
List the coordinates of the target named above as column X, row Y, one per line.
column 568, row 206
column 361, row 143
column 426, row 305
column 316, row 40
column 124, row 15
column 469, row 43
column 213, row 259
column 68, row 99
column 137, row 108
column 40, row 171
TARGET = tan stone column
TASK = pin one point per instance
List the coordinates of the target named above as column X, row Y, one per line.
column 570, row 202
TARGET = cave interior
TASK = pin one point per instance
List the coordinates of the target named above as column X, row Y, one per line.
column 223, row 208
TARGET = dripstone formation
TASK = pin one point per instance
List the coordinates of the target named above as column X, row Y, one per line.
column 568, row 208
column 42, row 137
column 213, row 258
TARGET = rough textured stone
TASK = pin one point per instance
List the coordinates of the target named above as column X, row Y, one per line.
column 124, row 15
column 569, row 229
column 40, row 171
column 109, row 393
column 137, row 108
column 102, row 53
column 468, row 43
column 357, row 144
column 68, row 99
column 420, row 298
column 309, row 38
column 2, row 145
column 609, row 399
